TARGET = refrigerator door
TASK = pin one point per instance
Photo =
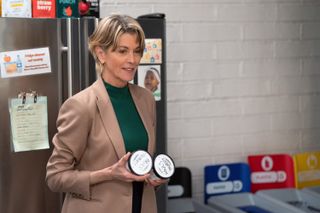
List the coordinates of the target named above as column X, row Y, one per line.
column 87, row 64
column 76, row 58
column 22, row 174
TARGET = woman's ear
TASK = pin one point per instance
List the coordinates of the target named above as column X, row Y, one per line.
column 100, row 53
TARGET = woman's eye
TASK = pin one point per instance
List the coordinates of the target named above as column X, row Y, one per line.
column 122, row 51
column 126, row 51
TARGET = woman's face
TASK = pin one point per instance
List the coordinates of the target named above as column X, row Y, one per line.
column 120, row 65
column 150, row 81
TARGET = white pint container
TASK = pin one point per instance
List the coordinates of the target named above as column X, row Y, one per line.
column 140, row 162
column 163, row 167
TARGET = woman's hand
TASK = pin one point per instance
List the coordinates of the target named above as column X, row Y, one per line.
column 119, row 171
column 156, row 182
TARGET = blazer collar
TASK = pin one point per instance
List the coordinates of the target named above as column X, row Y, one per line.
column 109, row 118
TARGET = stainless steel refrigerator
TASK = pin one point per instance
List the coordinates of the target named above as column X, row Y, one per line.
column 22, row 174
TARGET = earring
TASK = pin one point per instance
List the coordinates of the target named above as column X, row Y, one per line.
column 101, row 67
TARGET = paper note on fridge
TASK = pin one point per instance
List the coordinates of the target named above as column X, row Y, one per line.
column 29, row 124
column 25, row 62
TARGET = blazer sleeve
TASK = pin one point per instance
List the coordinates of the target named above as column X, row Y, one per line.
column 73, row 126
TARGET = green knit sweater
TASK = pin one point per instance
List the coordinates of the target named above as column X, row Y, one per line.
column 133, row 131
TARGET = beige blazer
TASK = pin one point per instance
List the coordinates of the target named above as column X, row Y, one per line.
column 89, row 139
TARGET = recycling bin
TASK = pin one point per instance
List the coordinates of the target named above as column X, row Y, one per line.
column 299, row 199
column 249, row 202
column 315, row 190
column 271, row 171
column 189, row 205
column 180, row 205
column 226, row 179
column 307, row 169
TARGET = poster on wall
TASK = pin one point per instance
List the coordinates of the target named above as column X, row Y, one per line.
column 152, row 52
column 149, row 77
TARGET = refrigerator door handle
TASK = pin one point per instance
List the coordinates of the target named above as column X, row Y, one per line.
column 68, row 49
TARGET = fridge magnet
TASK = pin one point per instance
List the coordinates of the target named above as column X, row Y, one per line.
column 29, row 122
column 149, row 77
column 67, row 8
column 25, row 62
column 16, row 8
column 152, row 52
column 89, row 8
column 43, row 8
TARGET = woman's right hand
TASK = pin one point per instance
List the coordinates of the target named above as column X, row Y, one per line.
column 117, row 171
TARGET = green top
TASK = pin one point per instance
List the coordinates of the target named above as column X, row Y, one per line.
column 133, row 131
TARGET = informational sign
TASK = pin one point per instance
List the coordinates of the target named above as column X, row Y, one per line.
column 268, row 175
column 152, row 52
column 16, row 8
column 224, row 185
column 307, row 168
column 271, row 171
column 25, row 62
column 149, row 77
column 226, row 179
column 29, row 123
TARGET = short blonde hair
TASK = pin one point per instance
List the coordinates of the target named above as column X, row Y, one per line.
column 110, row 28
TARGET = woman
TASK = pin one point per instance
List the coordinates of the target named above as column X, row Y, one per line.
column 99, row 127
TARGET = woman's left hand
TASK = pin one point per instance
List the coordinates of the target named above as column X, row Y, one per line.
column 156, row 182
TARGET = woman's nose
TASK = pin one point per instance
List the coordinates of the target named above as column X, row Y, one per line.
column 131, row 57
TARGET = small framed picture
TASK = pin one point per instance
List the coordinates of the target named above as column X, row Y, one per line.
column 149, row 77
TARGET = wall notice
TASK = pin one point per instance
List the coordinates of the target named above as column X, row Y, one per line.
column 25, row 62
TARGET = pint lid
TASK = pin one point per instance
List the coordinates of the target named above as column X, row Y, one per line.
column 163, row 166
column 140, row 162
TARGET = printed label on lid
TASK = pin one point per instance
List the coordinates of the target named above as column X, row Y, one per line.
column 164, row 166
column 140, row 162
column 224, row 187
column 269, row 177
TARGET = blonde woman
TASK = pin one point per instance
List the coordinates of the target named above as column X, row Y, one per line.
column 99, row 127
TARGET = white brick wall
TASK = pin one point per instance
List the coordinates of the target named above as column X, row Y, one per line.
column 243, row 77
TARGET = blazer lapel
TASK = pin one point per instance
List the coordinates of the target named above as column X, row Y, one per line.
column 109, row 118
column 139, row 102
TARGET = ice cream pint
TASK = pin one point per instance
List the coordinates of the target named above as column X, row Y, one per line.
column 140, row 163
column 163, row 167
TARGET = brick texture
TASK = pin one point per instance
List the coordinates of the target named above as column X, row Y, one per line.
column 243, row 77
